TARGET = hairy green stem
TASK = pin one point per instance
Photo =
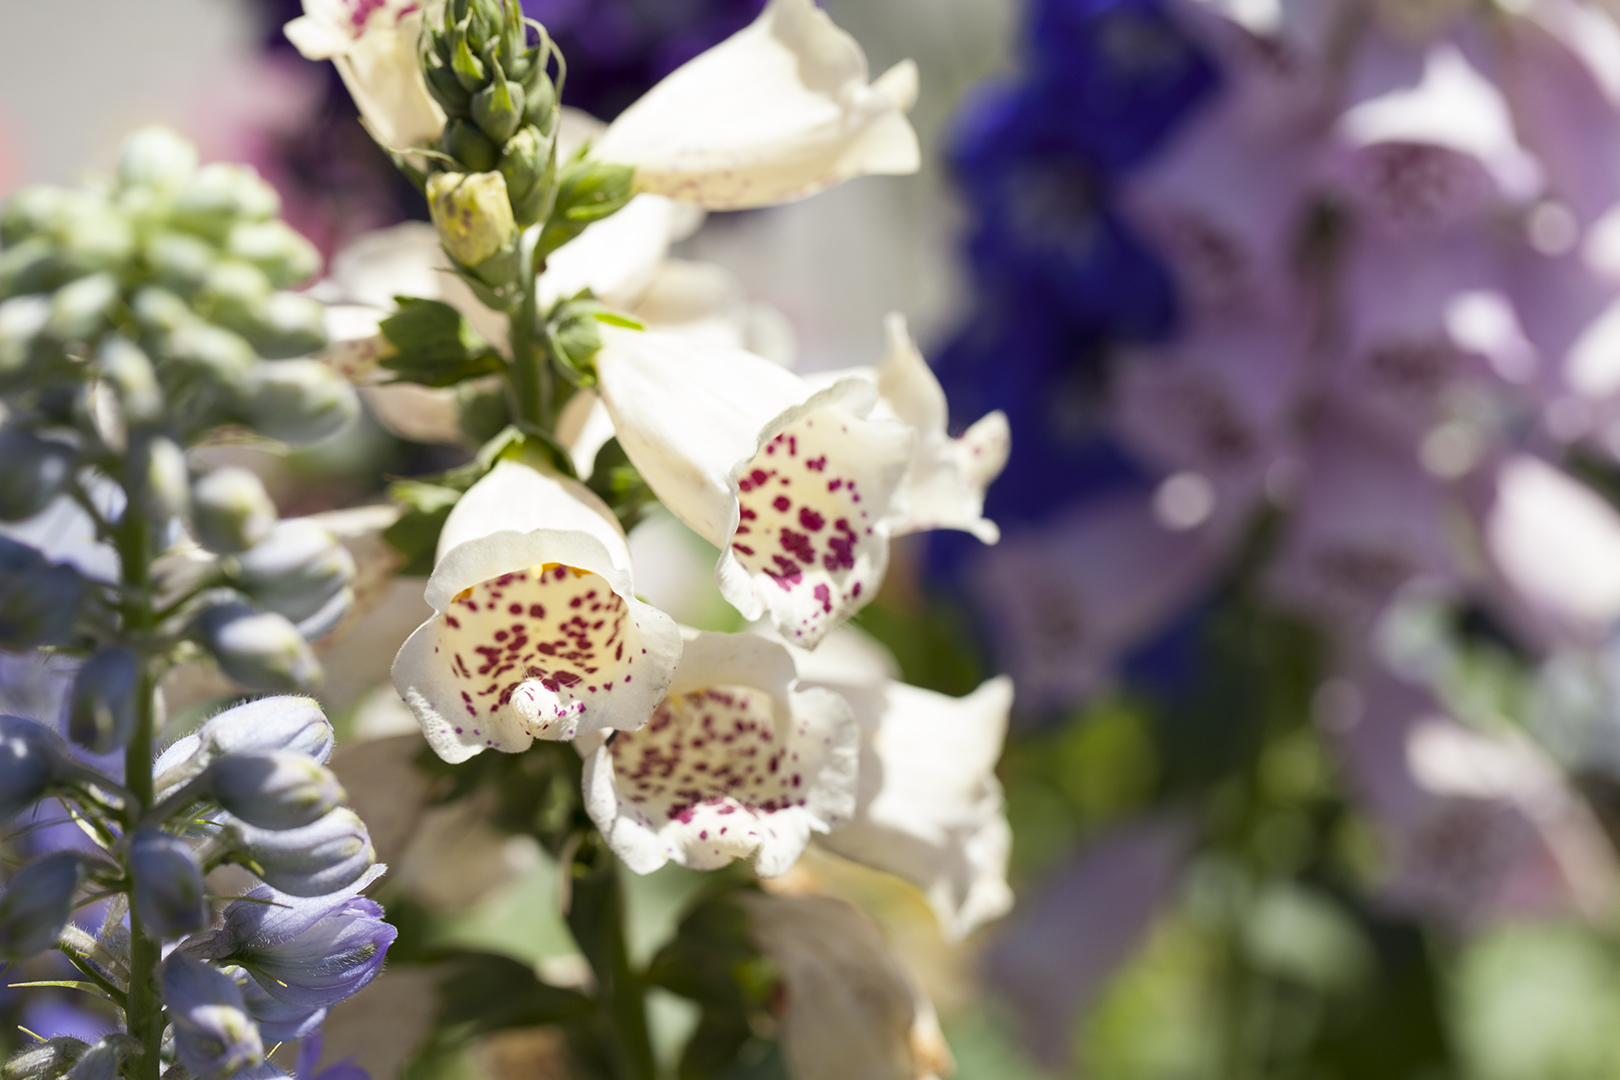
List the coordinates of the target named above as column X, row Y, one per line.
column 143, row 1013
column 530, row 377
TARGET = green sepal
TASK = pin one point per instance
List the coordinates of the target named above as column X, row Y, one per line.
column 436, row 345
column 446, row 88
column 474, row 151
column 498, row 108
column 573, row 340
column 587, row 192
column 468, row 69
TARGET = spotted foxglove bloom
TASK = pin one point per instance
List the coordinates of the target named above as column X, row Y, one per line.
column 779, row 111
column 929, row 806
column 799, row 489
column 537, row 632
column 373, row 44
column 947, row 477
column 739, row 761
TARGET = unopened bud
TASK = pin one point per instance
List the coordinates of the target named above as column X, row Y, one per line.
column 289, row 325
column 180, row 261
column 315, row 860
column 299, row 401
column 32, row 757
column 30, row 211
column 94, row 234
column 156, row 157
column 102, row 706
column 234, row 295
column 259, row 649
column 498, row 108
column 46, row 1060
column 220, row 195
column 37, row 904
column 126, row 369
column 231, row 511
column 22, row 321
column 294, row 724
column 39, row 600
column 33, row 471
column 159, row 479
column 274, row 789
column 472, row 214
column 214, row 1037
column 215, row 355
column 466, row 142
column 296, row 569
column 541, row 101
column 161, row 311
column 530, row 175
column 80, row 310
column 102, row 1061
column 170, row 900
column 275, row 248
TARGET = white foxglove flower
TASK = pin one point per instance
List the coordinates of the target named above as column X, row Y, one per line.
column 779, row 111
column 930, row 807
column 536, row 632
column 738, row 762
column 373, row 45
column 947, row 479
column 799, row 489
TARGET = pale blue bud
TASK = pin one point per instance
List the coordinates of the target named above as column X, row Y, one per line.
column 45, row 1060
column 159, row 478
column 37, row 904
column 273, row 723
column 128, row 371
column 324, row 857
column 299, row 401
column 22, row 321
column 39, row 600
column 79, row 311
column 331, row 613
column 289, row 325
column 101, row 1061
column 275, row 248
column 182, row 262
column 33, row 471
column 259, row 649
column 102, row 705
column 156, row 157
column 214, row 1036
column 296, row 569
column 231, row 511
column 212, row 353
column 220, row 195
column 169, row 895
column 32, row 757
column 274, row 789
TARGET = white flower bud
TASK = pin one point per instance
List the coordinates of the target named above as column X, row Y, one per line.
column 275, row 248
column 472, row 214
column 158, row 158
column 79, row 310
column 296, row 569
column 220, row 195
column 259, row 649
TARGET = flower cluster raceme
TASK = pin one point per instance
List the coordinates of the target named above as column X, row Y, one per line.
column 699, row 748
column 139, row 316
column 249, row 787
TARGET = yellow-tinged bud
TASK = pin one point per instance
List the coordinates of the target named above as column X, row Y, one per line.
column 472, row 214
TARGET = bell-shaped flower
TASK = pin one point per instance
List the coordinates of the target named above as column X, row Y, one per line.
column 374, row 47
column 307, row 953
column 278, row 1021
column 929, row 806
column 537, row 632
column 947, row 478
column 798, row 488
column 779, row 111
column 738, row 761
column 213, row 1035
column 849, row 1007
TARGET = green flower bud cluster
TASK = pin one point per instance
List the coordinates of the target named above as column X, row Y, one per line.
column 497, row 91
column 138, row 314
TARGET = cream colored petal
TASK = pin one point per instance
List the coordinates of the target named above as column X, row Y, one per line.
column 618, row 258
column 777, row 112
column 383, row 76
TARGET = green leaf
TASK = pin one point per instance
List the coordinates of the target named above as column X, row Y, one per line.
column 713, row 961
column 416, row 534
column 619, row 484
column 587, row 192
column 435, row 345
column 489, row 992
